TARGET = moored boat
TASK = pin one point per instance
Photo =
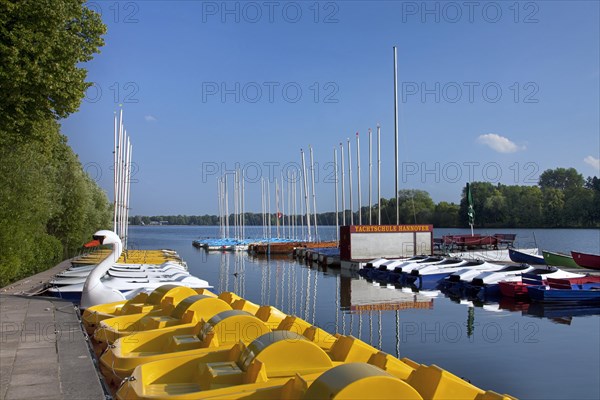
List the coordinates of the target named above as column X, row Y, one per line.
column 586, row 260
column 489, row 283
column 228, row 347
column 101, row 287
column 429, row 274
column 519, row 288
column 559, row 259
column 563, row 291
column 519, row 256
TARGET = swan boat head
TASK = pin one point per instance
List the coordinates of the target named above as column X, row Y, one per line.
column 94, row 291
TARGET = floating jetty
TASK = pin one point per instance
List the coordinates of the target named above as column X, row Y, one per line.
column 128, row 256
column 223, row 346
column 262, row 246
column 232, row 244
column 289, row 248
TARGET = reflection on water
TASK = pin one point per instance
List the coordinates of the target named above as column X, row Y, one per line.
column 558, row 313
column 503, row 346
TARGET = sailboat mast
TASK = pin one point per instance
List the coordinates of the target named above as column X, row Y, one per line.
column 337, row 217
column 121, row 182
column 378, row 174
column 269, row 209
column 226, row 208
column 115, row 168
column 306, row 204
column 235, row 204
column 118, row 173
column 350, row 182
column 262, row 203
column 358, row 179
column 127, row 191
column 343, row 185
column 370, row 178
column 219, row 206
column 314, row 195
column 243, row 208
column 294, row 198
column 277, row 206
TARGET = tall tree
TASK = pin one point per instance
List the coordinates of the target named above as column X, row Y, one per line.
column 416, row 206
column 42, row 46
column 446, row 215
column 561, row 178
column 48, row 203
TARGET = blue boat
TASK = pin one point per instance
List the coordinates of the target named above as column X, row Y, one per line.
column 563, row 291
column 525, row 258
column 435, row 273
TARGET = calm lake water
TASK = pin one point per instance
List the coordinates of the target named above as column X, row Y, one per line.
column 527, row 351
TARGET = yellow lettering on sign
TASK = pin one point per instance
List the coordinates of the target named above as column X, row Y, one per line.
column 390, row 228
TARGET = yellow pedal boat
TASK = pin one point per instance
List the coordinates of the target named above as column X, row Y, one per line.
column 266, row 365
column 187, row 313
column 163, row 297
column 264, row 368
column 181, row 319
column 129, row 256
column 221, row 332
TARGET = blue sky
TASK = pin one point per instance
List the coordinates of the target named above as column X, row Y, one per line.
column 496, row 91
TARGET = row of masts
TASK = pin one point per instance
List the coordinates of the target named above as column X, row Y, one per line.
column 359, row 189
column 122, row 155
column 291, row 224
column 309, row 230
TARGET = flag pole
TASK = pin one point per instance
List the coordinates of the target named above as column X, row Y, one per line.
column 396, row 134
column 471, row 209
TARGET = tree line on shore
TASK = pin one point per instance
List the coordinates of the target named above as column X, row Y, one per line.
column 49, row 204
column 561, row 199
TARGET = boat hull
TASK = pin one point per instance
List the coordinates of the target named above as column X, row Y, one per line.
column 559, row 260
column 525, row 258
column 586, row 260
column 545, row 295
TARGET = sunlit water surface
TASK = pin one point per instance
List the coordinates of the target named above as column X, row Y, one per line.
column 523, row 350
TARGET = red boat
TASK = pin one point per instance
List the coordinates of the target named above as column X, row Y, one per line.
column 586, row 260
column 519, row 289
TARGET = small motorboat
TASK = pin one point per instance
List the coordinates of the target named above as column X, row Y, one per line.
column 518, row 288
column 466, row 274
column 423, row 275
column 381, row 272
column 486, row 283
column 369, row 266
column 563, row 291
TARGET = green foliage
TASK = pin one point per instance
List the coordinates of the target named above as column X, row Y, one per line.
column 561, row 178
column 42, row 43
column 446, row 215
column 49, row 206
column 500, row 206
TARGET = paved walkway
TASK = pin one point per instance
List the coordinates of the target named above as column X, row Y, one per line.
column 33, row 284
column 44, row 353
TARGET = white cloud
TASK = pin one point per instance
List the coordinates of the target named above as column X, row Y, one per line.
column 593, row 161
column 150, row 118
column 499, row 143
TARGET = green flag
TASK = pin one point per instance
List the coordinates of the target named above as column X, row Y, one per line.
column 471, row 210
